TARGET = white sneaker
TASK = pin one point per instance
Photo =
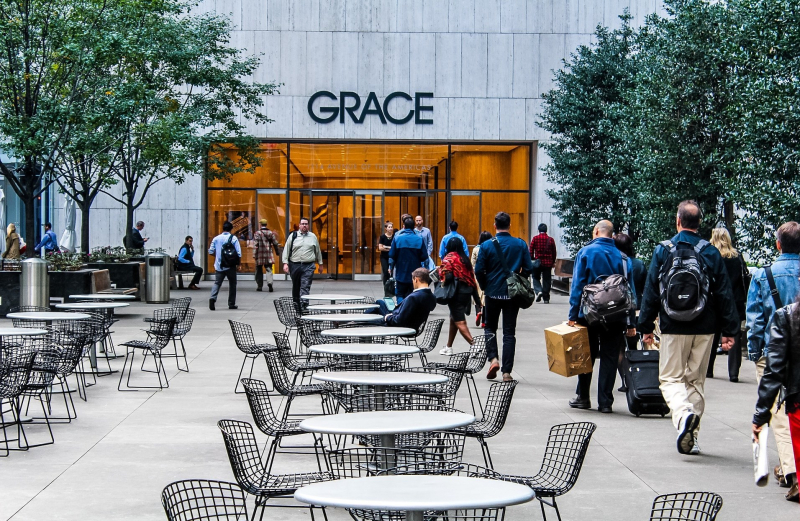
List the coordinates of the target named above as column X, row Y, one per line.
column 447, row 351
column 696, row 446
column 686, row 432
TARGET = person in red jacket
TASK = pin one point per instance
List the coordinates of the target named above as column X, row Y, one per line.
column 543, row 250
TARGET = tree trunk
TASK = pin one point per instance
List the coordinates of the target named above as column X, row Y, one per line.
column 728, row 214
column 85, row 229
column 128, row 223
column 30, row 224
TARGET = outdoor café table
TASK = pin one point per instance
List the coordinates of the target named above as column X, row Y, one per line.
column 344, row 317
column 380, row 380
column 330, row 297
column 20, row 331
column 92, row 305
column 102, row 296
column 415, row 493
column 369, row 332
column 364, row 349
column 48, row 317
column 386, row 424
column 335, row 308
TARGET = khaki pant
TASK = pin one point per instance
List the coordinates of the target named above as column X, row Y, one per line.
column 780, row 427
column 682, row 366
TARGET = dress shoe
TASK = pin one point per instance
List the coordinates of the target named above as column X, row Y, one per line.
column 259, row 288
column 580, row 403
column 211, row 302
column 269, row 286
column 493, row 370
column 793, row 494
column 623, row 389
column 709, row 375
column 734, row 379
column 233, row 307
column 605, row 410
column 193, row 286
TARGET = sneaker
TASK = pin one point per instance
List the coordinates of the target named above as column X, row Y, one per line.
column 492, row 373
column 580, row 403
column 539, row 297
column 478, row 318
column 686, row 432
column 446, row 351
column 695, row 446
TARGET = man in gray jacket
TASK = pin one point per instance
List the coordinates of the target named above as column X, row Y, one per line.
column 300, row 258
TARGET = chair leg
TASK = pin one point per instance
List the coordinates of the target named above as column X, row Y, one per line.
column 471, row 378
column 541, row 504
column 252, row 358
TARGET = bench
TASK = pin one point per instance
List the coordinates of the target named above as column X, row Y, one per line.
column 562, row 273
column 102, row 284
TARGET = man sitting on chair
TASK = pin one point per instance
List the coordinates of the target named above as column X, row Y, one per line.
column 413, row 311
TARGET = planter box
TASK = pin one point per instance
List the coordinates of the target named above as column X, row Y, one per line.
column 124, row 274
column 9, row 290
column 66, row 283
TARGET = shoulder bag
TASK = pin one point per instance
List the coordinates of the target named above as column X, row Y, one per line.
column 519, row 287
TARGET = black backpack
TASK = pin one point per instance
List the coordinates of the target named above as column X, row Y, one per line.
column 609, row 299
column 230, row 257
column 683, row 282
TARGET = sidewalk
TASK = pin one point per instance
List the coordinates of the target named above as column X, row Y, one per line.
column 113, row 461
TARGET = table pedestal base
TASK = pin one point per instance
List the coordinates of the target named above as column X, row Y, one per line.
column 414, row 515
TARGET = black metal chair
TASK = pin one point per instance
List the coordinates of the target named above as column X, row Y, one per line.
column 476, row 361
column 302, row 365
column 204, row 500
column 73, row 339
column 185, row 320
column 246, row 342
column 287, row 315
column 160, row 334
column 251, row 472
column 37, row 324
column 563, row 458
column 16, row 362
column 453, row 370
column 494, row 417
column 430, row 338
column 289, row 389
column 688, row 506
column 38, row 386
column 310, row 333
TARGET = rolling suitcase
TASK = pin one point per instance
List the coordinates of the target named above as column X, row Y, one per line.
column 641, row 371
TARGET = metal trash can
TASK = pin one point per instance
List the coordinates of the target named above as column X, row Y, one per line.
column 34, row 284
column 157, row 285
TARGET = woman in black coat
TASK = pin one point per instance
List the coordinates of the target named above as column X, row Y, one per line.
column 624, row 243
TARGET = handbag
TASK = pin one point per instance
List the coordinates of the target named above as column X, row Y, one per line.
column 519, row 287
column 445, row 293
column 537, row 263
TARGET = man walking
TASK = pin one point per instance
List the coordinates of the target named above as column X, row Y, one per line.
column 300, row 258
column 223, row 247
column 688, row 289
column 453, row 233
column 49, row 241
column 425, row 233
column 406, row 255
column 264, row 241
column 600, row 258
column 761, row 306
column 543, row 250
column 137, row 241
column 491, row 275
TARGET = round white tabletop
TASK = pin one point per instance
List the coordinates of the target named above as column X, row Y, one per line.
column 332, row 297
column 343, row 307
column 379, row 378
column 92, row 305
column 21, row 331
column 344, row 317
column 364, row 349
column 363, row 332
column 47, row 316
column 415, row 493
column 102, row 296
column 386, row 422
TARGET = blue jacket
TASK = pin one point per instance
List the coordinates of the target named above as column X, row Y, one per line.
column 761, row 307
column 48, row 242
column 489, row 269
column 413, row 311
column 408, row 253
column 599, row 258
column 443, row 244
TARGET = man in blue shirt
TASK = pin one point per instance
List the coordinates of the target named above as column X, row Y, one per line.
column 49, row 241
column 426, row 235
column 406, row 255
column 599, row 258
column 186, row 261
column 223, row 272
column 761, row 306
column 453, row 233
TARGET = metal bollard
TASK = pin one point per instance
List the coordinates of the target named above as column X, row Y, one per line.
column 34, row 286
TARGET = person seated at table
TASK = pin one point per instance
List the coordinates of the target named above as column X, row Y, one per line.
column 413, row 311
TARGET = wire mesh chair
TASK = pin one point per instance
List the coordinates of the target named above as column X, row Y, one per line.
column 310, row 333
column 289, row 389
column 453, row 370
column 37, row 388
column 430, row 338
column 563, row 458
column 475, row 363
column 287, row 315
column 251, row 473
column 73, row 339
column 16, row 362
column 37, row 324
column 689, row 506
column 494, row 417
column 246, row 342
column 185, row 320
column 160, row 333
column 301, row 366
column 204, row 500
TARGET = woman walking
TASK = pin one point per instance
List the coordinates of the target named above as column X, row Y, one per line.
column 457, row 269
column 384, row 245
column 12, row 243
column 736, row 268
column 479, row 314
column 624, row 243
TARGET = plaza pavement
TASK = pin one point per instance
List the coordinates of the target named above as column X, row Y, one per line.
column 113, row 461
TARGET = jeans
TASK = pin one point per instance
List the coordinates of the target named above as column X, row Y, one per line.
column 605, row 343
column 734, row 355
column 302, row 274
column 385, row 275
column 403, row 289
column 260, row 275
column 219, row 276
column 542, row 279
column 492, row 317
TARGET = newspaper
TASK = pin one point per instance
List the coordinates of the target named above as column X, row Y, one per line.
column 760, row 458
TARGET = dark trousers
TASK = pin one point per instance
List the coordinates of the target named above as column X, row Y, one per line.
column 403, row 289
column 302, row 274
column 260, row 269
column 198, row 272
column 542, row 281
column 605, row 344
column 219, row 276
column 734, row 355
column 492, row 317
column 385, row 276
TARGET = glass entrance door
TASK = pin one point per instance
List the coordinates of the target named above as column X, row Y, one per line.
column 466, row 211
column 368, row 229
column 332, row 222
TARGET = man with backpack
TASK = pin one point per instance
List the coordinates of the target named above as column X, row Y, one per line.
column 601, row 268
column 689, row 291
column 228, row 255
column 300, row 258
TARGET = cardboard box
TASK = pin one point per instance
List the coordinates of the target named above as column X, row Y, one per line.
column 568, row 351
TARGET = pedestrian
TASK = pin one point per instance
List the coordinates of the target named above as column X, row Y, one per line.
column 457, row 269
column 49, row 242
column 595, row 261
column 414, row 310
column 761, row 307
column 491, row 275
column 782, row 378
column 225, row 264
column 384, row 246
column 425, row 233
column 736, row 269
column 186, row 261
column 137, row 241
column 265, row 240
column 624, row 243
column 447, row 237
column 697, row 298
column 12, row 243
column 543, row 255
column 480, row 316
column 406, row 255
column 300, row 258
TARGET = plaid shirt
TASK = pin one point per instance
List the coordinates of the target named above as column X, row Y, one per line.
column 543, row 247
column 263, row 251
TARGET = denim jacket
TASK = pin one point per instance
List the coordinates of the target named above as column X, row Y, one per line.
column 761, row 307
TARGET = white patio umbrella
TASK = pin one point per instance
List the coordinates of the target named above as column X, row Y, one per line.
column 2, row 220
column 67, row 242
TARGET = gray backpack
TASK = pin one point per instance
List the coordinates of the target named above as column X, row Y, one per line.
column 609, row 299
